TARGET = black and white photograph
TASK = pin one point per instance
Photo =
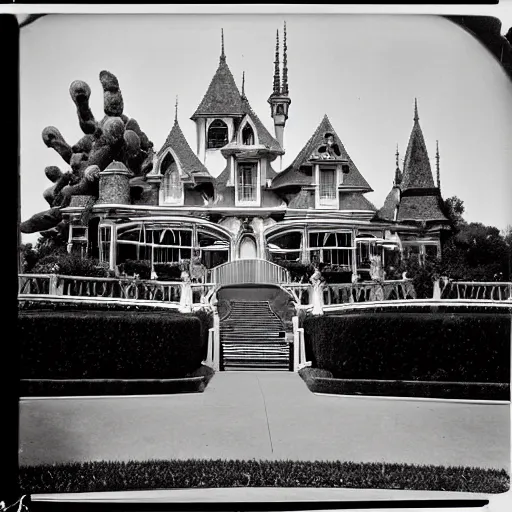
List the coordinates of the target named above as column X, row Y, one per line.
column 263, row 254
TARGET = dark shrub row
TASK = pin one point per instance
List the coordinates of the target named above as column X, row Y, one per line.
column 190, row 474
column 195, row 382
column 205, row 316
column 404, row 346
column 323, row 382
column 71, row 265
column 109, row 345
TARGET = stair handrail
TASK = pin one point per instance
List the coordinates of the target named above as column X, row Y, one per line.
column 267, row 272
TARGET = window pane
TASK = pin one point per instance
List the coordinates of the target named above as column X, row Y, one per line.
column 217, row 134
column 247, row 135
column 290, row 240
column 327, row 184
column 172, row 184
column 247, row 183
column 431, row 251
column 343, row 239
column 313, row 240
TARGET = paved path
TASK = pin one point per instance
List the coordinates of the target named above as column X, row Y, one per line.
column 264, row 415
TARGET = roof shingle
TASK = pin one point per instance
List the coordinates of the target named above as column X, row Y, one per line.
column 222, row 96
column 417, row 172
column 188, row 160
column 420, row 208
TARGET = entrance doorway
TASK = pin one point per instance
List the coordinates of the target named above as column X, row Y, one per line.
column 248, row 249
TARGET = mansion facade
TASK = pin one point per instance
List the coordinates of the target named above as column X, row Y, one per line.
column 223, row 200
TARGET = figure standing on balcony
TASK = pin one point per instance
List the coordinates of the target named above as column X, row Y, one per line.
column 186, row 293
column 317, row 282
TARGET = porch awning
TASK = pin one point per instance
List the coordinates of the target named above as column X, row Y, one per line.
column 216, row 246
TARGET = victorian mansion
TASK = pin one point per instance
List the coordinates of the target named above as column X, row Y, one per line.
column 223, row 200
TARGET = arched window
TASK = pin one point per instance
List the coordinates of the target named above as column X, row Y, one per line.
column 217, row 134
column 172, row 186
column 280, row 109
column 247, row 135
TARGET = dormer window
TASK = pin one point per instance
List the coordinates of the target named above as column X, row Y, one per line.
column 247, row 190
column 172, row 188
column 247, row 135
column 217, row 134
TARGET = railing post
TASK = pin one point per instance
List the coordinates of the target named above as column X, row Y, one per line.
column 437, row 290
column 55, row 287
column 216, row 342
column 296, row 344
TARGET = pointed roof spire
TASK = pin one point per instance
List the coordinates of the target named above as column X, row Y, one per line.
column 285, row 63
column 176, row 110
column 277, row 78
column 223, row 96
column 243, row 84
column 437, row 166
column 417, row 172
column 222, row 54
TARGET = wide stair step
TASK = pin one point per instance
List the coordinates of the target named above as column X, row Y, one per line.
column 253, row 337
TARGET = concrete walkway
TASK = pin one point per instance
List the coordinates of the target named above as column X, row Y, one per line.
column 264, row 415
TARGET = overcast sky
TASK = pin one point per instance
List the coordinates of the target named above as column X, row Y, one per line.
column 362, row 71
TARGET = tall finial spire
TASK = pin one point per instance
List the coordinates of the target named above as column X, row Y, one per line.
column 277, row 79
column 416, row 117
column 437, row 166
column 222, row 54
column 285, row 63
column 176, row 110
column 243, row 84
column 398, row 177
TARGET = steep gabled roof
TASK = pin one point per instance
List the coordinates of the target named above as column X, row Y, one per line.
column 263, row 135
column 190, row 164
column 222, row 96
column 291, row 174
column 387, row 212
column 417, row 172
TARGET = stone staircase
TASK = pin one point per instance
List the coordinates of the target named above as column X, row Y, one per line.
column 253, row 337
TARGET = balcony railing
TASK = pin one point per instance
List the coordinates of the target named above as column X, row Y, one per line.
column 476, row 290
column 354, row 292
column 248, row 272
column 124, row 288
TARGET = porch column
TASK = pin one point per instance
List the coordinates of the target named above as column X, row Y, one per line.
column 113, row 247
column 305, row 246
column 354, row 255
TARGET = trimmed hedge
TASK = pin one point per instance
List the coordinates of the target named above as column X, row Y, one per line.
column 325, row 383
column 205, row 316
column 463, row 347
column 190, row 474
column 195, row 382
column 109, row 345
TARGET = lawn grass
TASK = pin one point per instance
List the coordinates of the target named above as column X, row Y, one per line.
column 182, row 474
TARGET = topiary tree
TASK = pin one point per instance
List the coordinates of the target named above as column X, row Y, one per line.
column 115, row 137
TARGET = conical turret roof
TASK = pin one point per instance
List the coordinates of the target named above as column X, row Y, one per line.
column 417, row 171
column 222, row 96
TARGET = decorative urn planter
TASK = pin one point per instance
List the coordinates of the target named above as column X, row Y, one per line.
column 115, row 184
